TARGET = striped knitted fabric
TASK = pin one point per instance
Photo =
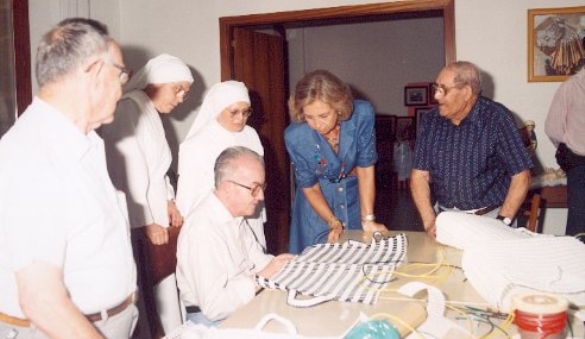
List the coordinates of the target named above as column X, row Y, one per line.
column 351, row 271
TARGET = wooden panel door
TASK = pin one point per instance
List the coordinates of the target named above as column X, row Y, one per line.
column 259, row 63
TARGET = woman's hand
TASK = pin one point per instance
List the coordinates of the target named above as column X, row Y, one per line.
column 335, row 232
column 175, row 217
column 157, row 234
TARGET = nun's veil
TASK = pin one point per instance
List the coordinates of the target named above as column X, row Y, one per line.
column 162, row 69
column 219, row 97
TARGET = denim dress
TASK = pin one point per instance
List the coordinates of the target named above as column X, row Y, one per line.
column 314, row 161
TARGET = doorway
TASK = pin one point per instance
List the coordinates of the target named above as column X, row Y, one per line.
column 273, row 122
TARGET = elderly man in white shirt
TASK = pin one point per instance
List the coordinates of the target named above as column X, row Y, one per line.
column 66, row 264
column 217, row 254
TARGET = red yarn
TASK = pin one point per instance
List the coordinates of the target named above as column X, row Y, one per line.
column 546, row 324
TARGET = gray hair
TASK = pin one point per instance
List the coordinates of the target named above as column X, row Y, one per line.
column 67, row 46
column 226, row 166
column 467, row 73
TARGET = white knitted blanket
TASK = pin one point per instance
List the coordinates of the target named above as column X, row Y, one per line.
column 500, row 261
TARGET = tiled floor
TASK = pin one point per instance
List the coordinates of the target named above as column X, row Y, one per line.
column 394, row 207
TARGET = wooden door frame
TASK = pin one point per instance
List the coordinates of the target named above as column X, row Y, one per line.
column 22, row 59
column 226, row 24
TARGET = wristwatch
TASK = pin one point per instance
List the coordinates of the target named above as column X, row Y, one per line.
column 505, row 220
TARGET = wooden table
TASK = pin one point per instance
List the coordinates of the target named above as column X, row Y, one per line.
column 335, row 318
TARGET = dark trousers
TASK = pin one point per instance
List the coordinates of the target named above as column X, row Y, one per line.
column 576, row 200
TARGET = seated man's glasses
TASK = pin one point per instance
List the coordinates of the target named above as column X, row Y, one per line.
column 254, row 190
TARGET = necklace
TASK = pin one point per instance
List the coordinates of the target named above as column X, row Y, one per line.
column 333, row 140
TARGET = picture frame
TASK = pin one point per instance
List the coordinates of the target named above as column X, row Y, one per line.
column 416, row 95
column 553, row 35
column 432, row 100
column 405, row 128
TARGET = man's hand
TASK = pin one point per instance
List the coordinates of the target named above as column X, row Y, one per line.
column 275, row 265
column 157, row 234
column 431, row 228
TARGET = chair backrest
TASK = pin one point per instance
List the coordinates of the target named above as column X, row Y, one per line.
column 533, row 213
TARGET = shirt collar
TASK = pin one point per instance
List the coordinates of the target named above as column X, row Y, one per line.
column 63, row 132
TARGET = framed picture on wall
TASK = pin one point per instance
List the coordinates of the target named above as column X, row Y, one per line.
column 555, row 43
column 416, row 95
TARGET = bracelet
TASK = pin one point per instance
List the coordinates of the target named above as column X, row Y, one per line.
column 331, row 223
column 369, row 217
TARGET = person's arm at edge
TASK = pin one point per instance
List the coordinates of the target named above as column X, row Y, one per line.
column 516, row 194
column 45, row 301
column 421, row 195
column 556, row 120
column 367, row 195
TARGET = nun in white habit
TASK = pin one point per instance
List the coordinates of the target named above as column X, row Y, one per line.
column 139, row 157
column 220, row 123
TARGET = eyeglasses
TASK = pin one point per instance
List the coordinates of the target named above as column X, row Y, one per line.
column 253, row 190
column 244, row 112
column 125, row 73
column 442, row 89
column 180, row 91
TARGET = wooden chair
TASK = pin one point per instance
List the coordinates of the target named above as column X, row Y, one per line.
column 532, row 212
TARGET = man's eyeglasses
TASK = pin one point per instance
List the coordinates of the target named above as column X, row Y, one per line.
column 442, row 89
column 125, row 73
column 244, row 112
column 180, row 91
column 255, row 190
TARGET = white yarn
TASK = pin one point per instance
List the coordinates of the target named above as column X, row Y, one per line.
column 500, row 261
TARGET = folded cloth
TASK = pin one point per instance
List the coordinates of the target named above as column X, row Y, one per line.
column 499, row 270
column 500, row 261
column 463, row 231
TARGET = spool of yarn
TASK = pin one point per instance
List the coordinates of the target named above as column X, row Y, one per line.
column 540, row 315
column 374, row 329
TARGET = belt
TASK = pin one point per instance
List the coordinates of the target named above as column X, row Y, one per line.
column 485, row 210
column 481, row 211
column 192, row 309
column 20, row 322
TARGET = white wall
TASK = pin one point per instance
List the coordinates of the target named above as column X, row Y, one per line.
column 44, row 14
column 489, row 33
column 376, row 59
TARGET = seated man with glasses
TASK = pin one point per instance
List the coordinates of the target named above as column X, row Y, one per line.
column 470, row 150
column 217, row 254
